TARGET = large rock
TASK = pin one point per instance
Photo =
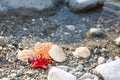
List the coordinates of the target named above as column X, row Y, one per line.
column 84, row 5
column 34, row 4
column 58, row 74
column 109, row 71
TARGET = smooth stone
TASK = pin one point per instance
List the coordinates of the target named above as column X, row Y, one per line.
column 84, row 5
column 87, row 76
column 58, row 74
column 109, row 70
column 70, row 27
column 13, row 75
column 20, row 72
column 80, row 68
column 101, row 60
column 82, row 52
column 1, row 70
column 96, row 31
column 1, row 48
column 96, row 51
column 117, row 41
column 13, row 71
column 2, row 41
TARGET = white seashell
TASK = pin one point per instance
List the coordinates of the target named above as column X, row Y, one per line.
column 57, row 54
column 58, row 74
column 83, row 52
column 25, row 54
column 117, row 41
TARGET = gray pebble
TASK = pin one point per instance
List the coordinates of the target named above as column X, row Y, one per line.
column 96, row 51
column 80, row 68
column 20, row 72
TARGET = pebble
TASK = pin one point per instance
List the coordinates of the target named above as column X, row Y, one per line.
column 101, row 60
column 84, row 5
column 80, row 68
column 82, row 52
column 117, row 41
column 20, row 72
column 13, row 75
column 1, row 48
column 25, row 29
column 96, row 51
column 58, row 74
column 87, row 76
column 13, row 71
column 109, row 70
column 70, row 27
column 3, row 41
column 96, row 31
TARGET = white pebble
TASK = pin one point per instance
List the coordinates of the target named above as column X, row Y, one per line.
column 70, row 27
column 101, row 60
column 117, row 41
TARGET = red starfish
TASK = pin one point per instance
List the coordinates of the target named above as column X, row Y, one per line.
column 39, row 62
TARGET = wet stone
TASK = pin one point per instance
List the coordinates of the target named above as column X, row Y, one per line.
column 84, row 5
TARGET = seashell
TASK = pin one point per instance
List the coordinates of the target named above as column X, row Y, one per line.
column 42, row 49
column 57, row 54
column 25, row 54
column 83, row 52
column 58, row 74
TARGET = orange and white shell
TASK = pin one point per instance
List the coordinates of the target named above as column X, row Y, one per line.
column 42, row 49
